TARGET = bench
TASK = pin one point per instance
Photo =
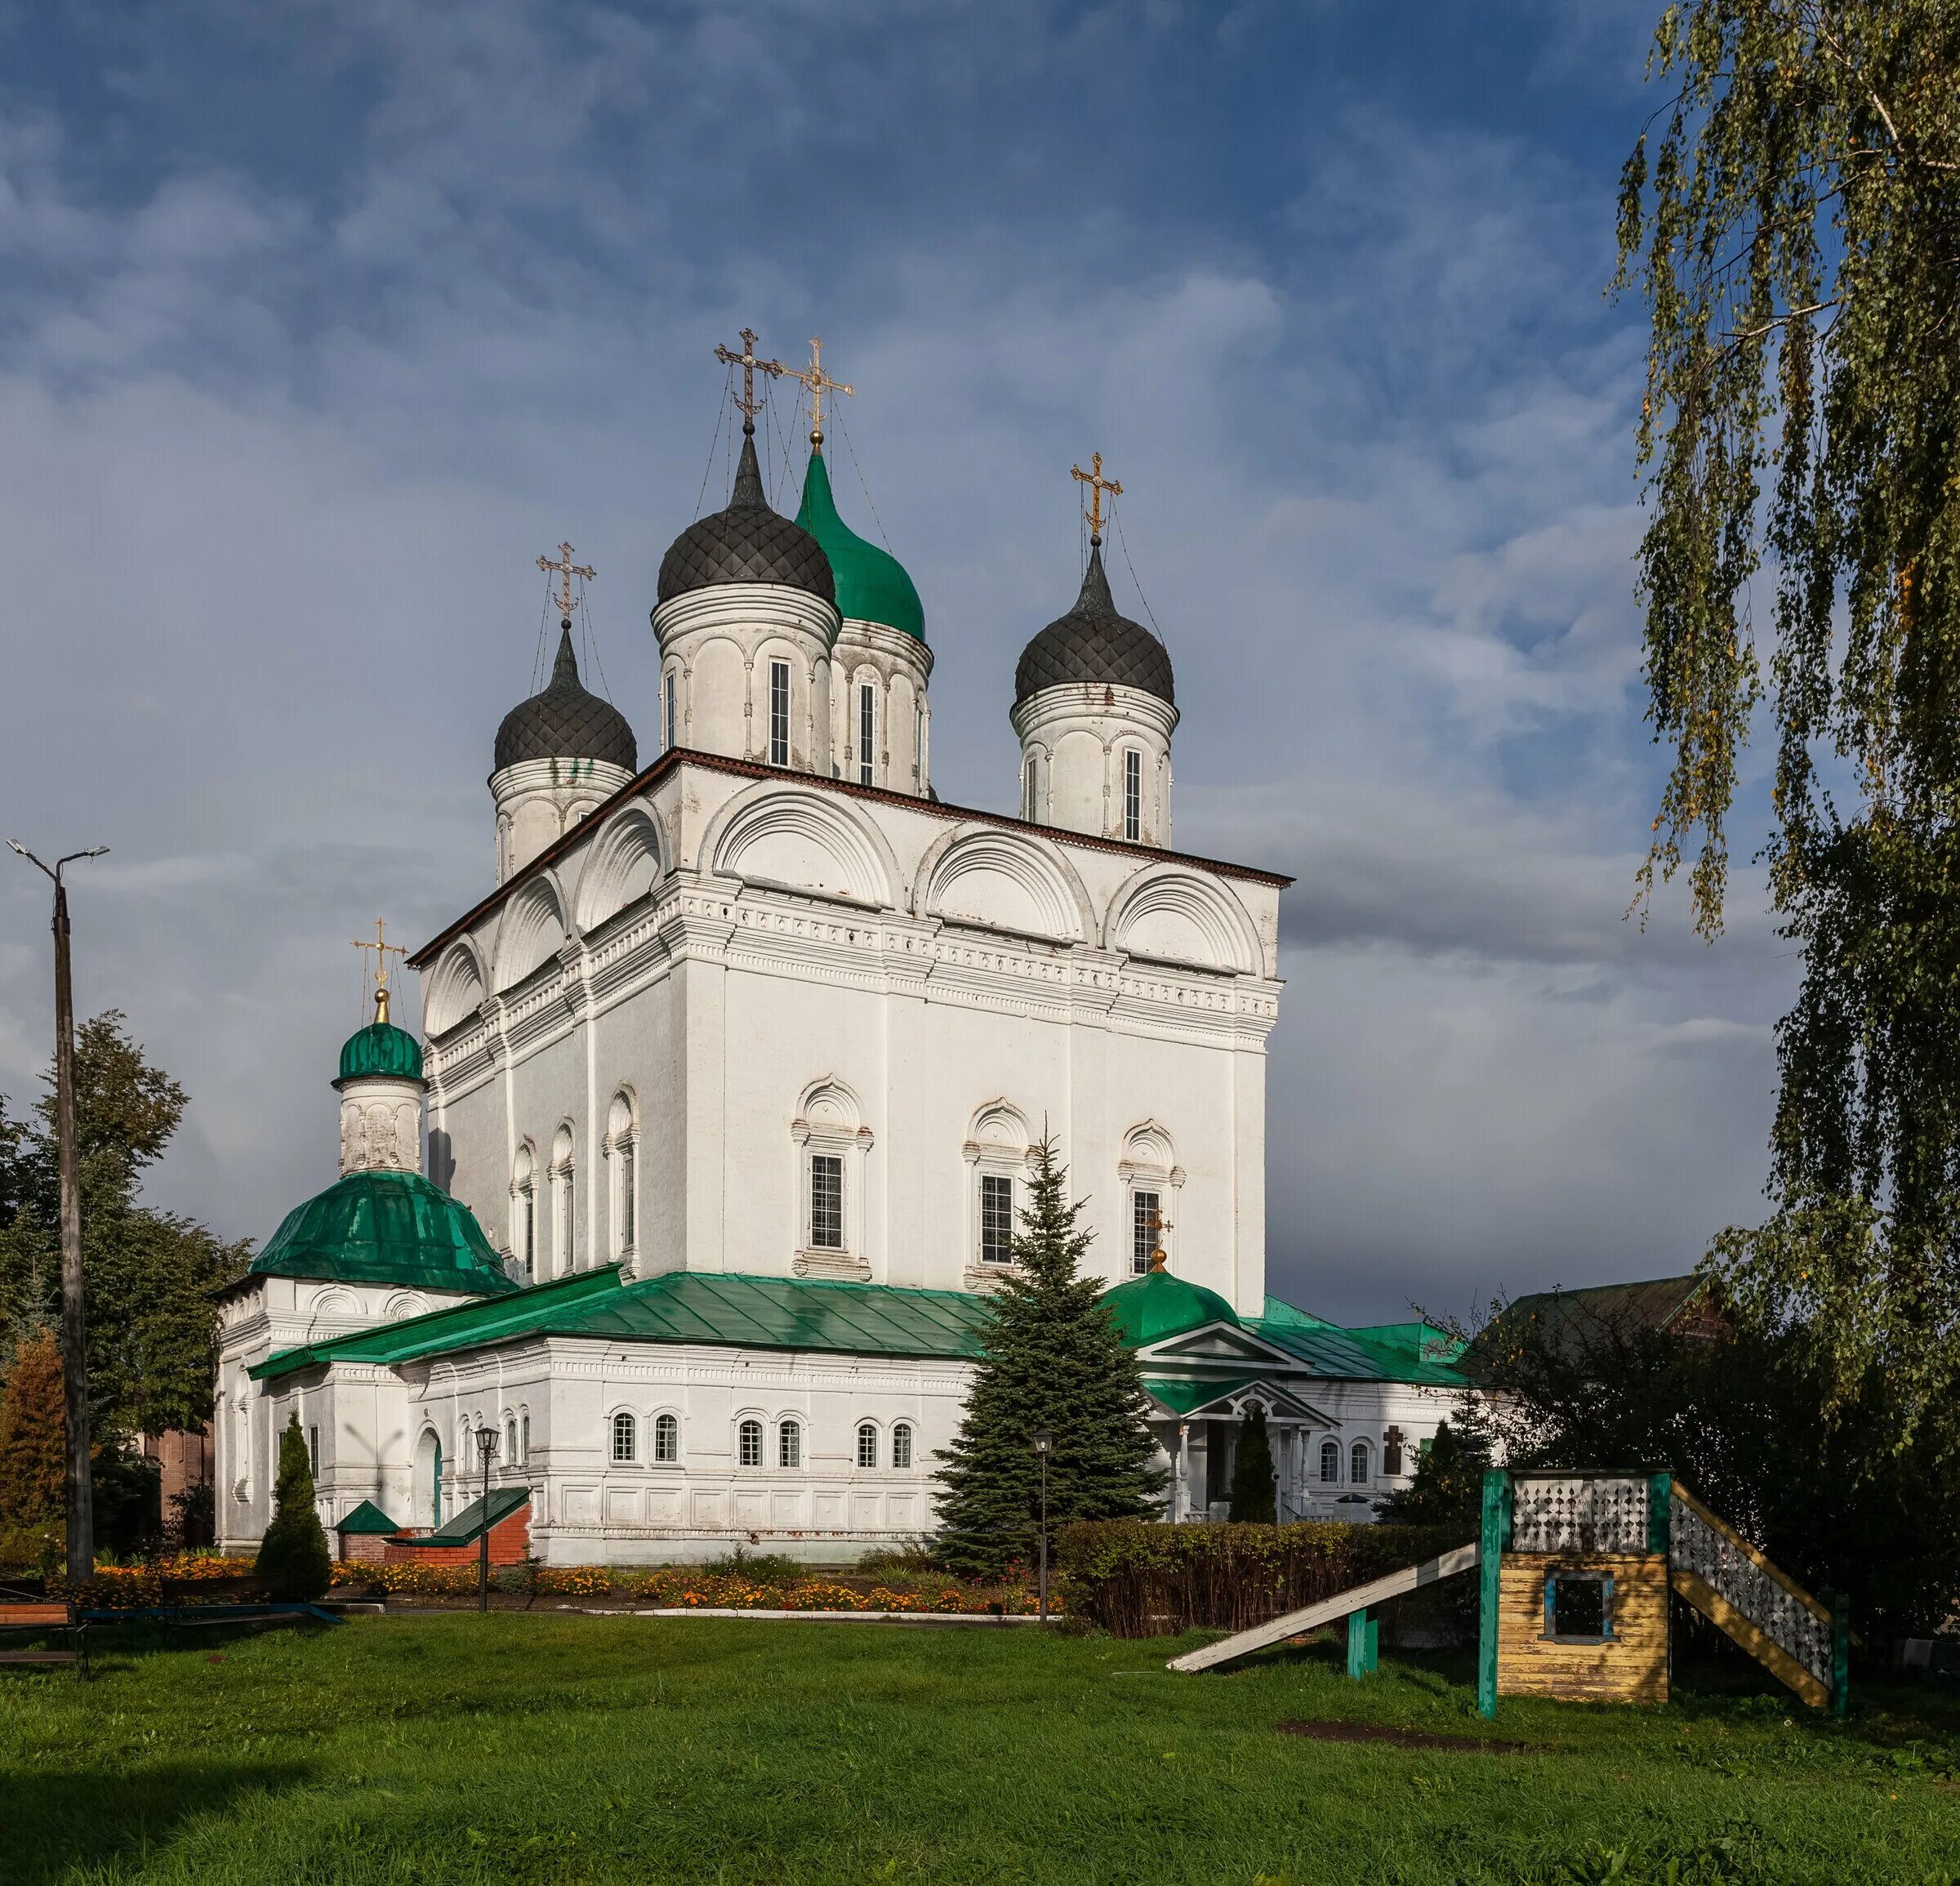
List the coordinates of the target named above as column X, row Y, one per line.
column 46, row 1619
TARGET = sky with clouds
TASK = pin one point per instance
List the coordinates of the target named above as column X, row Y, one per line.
column 323, row 320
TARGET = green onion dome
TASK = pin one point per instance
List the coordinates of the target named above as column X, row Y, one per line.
column 385, row 1227
column 381, row 1048
column 1150, row 1308
column 871, row 583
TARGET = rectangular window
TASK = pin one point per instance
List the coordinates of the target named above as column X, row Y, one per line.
column 827, row 1202
column 312, row 1449
column 996, row 1220
column 868, row 734
column 666, row 712
column 1146, row 1228
column 626, row 1197
column 1133, row 794
column 918, row 747
column 530, row 1224
column 779, row 713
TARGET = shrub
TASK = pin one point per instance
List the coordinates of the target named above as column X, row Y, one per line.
column 1141, row 1578
column 293, row 1558
column 759, row 1568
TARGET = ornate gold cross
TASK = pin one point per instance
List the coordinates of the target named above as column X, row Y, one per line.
column 383, row 949
column 566, row 569
column 750, row 365
column 819, row 383
column 1098, row 484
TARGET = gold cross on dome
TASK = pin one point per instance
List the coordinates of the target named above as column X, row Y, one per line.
column 383, row 949
column 750, row 365
column 1098, row 484
column 566, row 569
column 819, row 383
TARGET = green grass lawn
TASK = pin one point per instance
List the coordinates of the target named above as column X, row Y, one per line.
column 564, row 1748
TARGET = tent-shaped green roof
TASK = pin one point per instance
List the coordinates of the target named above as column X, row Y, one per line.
column 368, row 1518
column 871, row 583
column 385, row 1227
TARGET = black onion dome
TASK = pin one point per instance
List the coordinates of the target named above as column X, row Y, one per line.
column 565, row 722
column 1093, row 643
column 747, row 543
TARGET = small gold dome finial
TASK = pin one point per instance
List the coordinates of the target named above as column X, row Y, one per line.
column 380, row 1006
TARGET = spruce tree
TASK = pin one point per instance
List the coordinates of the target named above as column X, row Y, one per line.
column 1253, row 1482
column 293, row 1558
column 1054, row 1362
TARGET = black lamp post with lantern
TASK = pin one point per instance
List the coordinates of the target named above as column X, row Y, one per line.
column 486, row 1447
column 1043, row 1441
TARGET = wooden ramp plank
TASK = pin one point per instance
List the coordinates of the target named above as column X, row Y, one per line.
column 1360, row 1598
column 1759, row 1644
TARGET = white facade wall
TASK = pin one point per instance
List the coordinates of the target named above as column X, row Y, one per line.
column 1073, row 743
column 538, row 801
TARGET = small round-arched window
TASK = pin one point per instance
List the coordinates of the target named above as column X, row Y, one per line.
column 625, row 1437
column 902, row 1445
column 867, row 1444
column 789, row 1444
column 666, row 1438
column 748, row 1444
column 1357, row 1463
column 1330, row 1460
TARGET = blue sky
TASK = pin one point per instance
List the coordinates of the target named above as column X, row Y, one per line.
column 323, row 320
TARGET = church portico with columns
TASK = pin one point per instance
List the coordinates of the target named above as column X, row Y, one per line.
column 732, row 1080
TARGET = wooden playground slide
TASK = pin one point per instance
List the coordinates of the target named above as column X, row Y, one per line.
column 1342, row 1604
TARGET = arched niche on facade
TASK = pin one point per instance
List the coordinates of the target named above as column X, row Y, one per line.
column 456, row 988
column 623, row 863
column 1004, row 879
column 533, row 930
column 1175, row 915
column 798, row 840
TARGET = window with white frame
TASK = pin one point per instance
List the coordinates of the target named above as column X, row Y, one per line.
column 1330, row 1462
column 622, row 1143
column 748, row 1444
column 868, row 734
column 1132, row 794
column 523, row 1438
column 667, row 718
column 626, row 1437
column 564, row 1227
column 996, row 1218
column 666, row 1439
column 523, row 1211
column 789, row 1444
column 827, row 1202
column 1146, row 1226
column 918, row 744
column 1027, row 788
column 901, row 1444
column 512, row 1458
column 867, row 1444
column 1357, row 1463
column 779, row 713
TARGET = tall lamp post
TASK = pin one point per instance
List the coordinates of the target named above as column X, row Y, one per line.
column 486, row 1446
column 1044, row 1441
column 75, row 1343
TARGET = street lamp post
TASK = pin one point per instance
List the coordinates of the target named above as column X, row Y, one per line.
column 1044, row 1441
column 74, row 1343
column 486, row 1446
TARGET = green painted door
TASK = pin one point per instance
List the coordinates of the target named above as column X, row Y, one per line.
column 435, row 1489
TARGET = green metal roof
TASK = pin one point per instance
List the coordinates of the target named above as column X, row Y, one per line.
column 1571, row 1321
column 467, row 1527
column 871, row 583
column 1391, row 1352
column 1150, row 1308
column 382, row 1226
column 367, row 1517
column 1181, row 1396
column 717, row 1308
column 381, row 1048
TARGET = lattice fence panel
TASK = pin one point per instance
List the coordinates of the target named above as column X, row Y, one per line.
column 1765, row 1601
column 1591, row 1514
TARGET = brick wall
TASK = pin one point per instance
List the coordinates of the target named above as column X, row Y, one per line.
column 510, row 1545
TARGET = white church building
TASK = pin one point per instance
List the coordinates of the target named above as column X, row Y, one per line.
column 694, row 1189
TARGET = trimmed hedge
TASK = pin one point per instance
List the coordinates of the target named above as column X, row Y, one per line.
column 1143, row 1578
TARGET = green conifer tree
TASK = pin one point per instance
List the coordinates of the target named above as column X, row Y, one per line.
column 1054, row 1362
column 293, row 1558
column 1254, row 1483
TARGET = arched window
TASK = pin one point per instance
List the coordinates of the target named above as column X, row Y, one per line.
column 789, row 1444
column 748, row 1444
column 626, row 1437
column 523, row 1212
column 867, row 1444
column 1133, row 794
column 1357, row 1463
column 1331, row 1461
column 512, row 1458
column 523, row 1438
column 564, row 1228
column 902, row 1445
column 868, row 734
column 622, row 1143
column 666, row 1439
